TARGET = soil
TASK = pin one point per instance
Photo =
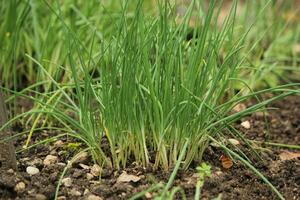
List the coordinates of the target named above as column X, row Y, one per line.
column 280, row 125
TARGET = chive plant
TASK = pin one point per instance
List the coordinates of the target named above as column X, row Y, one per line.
column 150, row 89
column 158, row 89
column 154, row 89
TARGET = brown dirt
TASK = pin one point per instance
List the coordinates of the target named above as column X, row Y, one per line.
column 237, row 182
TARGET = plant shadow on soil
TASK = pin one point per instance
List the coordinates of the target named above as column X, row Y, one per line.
column 237, row 182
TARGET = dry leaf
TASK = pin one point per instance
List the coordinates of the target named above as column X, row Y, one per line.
column 126, row 178
column 226, row 162
column 246, row 124
column 287, row 155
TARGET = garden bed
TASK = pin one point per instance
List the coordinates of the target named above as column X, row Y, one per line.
column 237, row 182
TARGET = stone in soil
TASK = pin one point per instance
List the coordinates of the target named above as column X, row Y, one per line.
column 20, row 187
column 50, row 159
column 67, row 182
column 32, row 170
column 40, row 197
column 95, row 170
column 93, row 197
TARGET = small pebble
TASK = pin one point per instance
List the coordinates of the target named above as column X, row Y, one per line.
column 93, row 197
column 32, row 170
column 61, row 164
column 61, row 198
column 81, row 158
column 75, row 192
column 50, row 159
column 35, row 162
column 26, row 159
column 246, row 124
column 89, row 176
column 61, row 153
column 58, row 143
column 20, row 187
column 218, row 173
column 67, row 182
column 53, row 177
column 95, row 170
column 77, row 173
column 30, row 192
column 86, row 191
column 53, row 152
column 83, row 166
column 10, row 171
column 40, row 197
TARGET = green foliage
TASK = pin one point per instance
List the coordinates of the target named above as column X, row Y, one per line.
column 120, row 75
column 204, row 170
